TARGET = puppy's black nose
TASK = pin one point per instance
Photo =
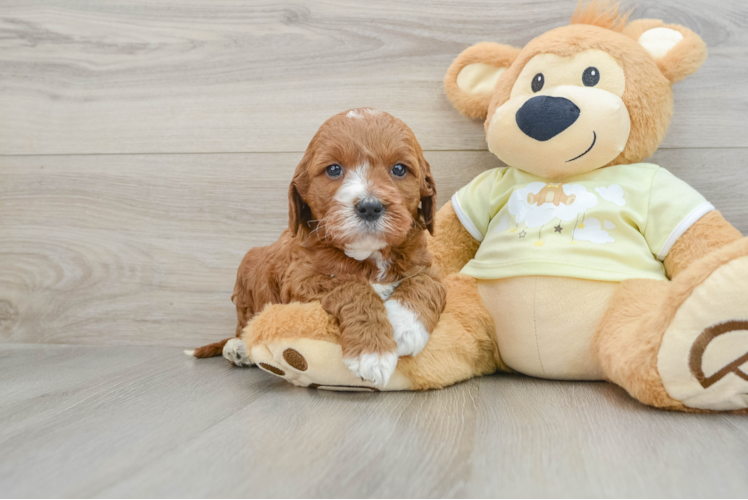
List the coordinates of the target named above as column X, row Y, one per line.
column 544, row 117
column 369, row 209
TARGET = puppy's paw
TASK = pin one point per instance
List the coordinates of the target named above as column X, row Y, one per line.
column 410, row 334
column 236, row 353
column 374, row 367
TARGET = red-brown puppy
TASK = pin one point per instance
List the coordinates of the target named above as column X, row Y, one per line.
column 359, row 204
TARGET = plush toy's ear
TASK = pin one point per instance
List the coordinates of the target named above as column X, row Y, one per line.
column 678, row 51
column 472, row 77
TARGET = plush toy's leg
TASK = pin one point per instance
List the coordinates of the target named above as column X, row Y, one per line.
column 683, row 344
column 299, row 342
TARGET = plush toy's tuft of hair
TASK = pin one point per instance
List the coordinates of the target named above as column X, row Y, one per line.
column 602, row 13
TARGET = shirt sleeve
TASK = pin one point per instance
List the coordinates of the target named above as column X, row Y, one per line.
column 472, row 203
column 674, row 206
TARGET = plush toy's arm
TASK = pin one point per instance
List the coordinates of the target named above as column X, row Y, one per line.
column 708, row 234
column 452, row 246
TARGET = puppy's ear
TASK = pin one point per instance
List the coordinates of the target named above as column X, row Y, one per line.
column 471, row 78
column 299, row 213
column 428, row 196
column 678, row 51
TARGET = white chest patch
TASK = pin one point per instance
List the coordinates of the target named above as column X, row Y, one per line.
column 383, row 265
column 364, row 248
column 384, row 290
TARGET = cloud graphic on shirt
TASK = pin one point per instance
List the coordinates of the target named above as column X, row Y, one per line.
column 503, row 224
column 612, row 193
column 608, row 225
column 593, row 232
column 535, row 216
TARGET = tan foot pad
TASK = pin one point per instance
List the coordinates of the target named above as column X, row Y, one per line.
column 316, row 364
column 703, row 359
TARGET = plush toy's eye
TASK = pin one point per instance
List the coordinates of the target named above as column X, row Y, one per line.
column 537, row 82
column 399, row 170
column 591, row 76
column 334, row 171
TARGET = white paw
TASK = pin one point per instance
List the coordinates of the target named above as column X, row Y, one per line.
column 236, row 353
column 410, row 334
column 376, row 368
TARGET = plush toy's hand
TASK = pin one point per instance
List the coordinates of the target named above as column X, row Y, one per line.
column 410, row 334
column 452, row 246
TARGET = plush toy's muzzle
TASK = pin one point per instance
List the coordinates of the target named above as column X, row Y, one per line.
column 565, row 131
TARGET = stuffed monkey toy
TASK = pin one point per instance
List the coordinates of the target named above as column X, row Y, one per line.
column 576, row 260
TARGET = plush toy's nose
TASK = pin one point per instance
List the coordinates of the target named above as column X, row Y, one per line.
column 544, row 117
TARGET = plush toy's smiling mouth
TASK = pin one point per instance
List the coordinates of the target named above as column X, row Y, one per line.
column 594, row 139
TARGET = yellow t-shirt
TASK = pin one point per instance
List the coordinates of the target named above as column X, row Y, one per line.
column 611, row 224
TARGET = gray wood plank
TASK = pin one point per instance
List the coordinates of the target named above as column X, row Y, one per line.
column 143, row 249
column 224, row 76
column 75, row 419
column 128, row 421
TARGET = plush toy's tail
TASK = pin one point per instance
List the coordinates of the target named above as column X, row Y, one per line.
column 208, row 351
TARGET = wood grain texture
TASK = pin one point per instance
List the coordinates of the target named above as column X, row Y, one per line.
column 118, row 236
column 203, row 76
column 128, row 421
column 143, row 249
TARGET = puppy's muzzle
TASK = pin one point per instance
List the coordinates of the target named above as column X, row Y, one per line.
column 369, row 209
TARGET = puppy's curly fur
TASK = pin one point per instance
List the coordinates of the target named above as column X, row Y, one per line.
column 351, row 265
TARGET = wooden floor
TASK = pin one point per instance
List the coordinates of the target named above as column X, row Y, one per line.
column 139, row 421
column 145, row 146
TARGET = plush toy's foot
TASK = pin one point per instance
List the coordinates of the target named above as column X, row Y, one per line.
column 703, row 358
column 317, row 364
column 301, row 343
column 682, row 345
column 235, row 353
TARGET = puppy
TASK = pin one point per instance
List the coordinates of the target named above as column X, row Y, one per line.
column 359, row 205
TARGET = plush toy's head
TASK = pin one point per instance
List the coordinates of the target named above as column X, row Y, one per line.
column 577, row 98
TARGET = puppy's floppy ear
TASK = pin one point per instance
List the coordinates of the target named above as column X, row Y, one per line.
column 299, row 213
column 678, row 51
column 471, row 78
column 428, row 195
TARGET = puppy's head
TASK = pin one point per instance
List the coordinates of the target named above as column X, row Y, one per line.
column 362, row 184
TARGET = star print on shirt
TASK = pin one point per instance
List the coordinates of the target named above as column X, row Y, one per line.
column 558, row 228
column 523, row 234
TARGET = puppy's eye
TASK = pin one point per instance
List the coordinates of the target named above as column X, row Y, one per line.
column 591, row 76
column 399, row 170
column 334, row 171
column 537, row 82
